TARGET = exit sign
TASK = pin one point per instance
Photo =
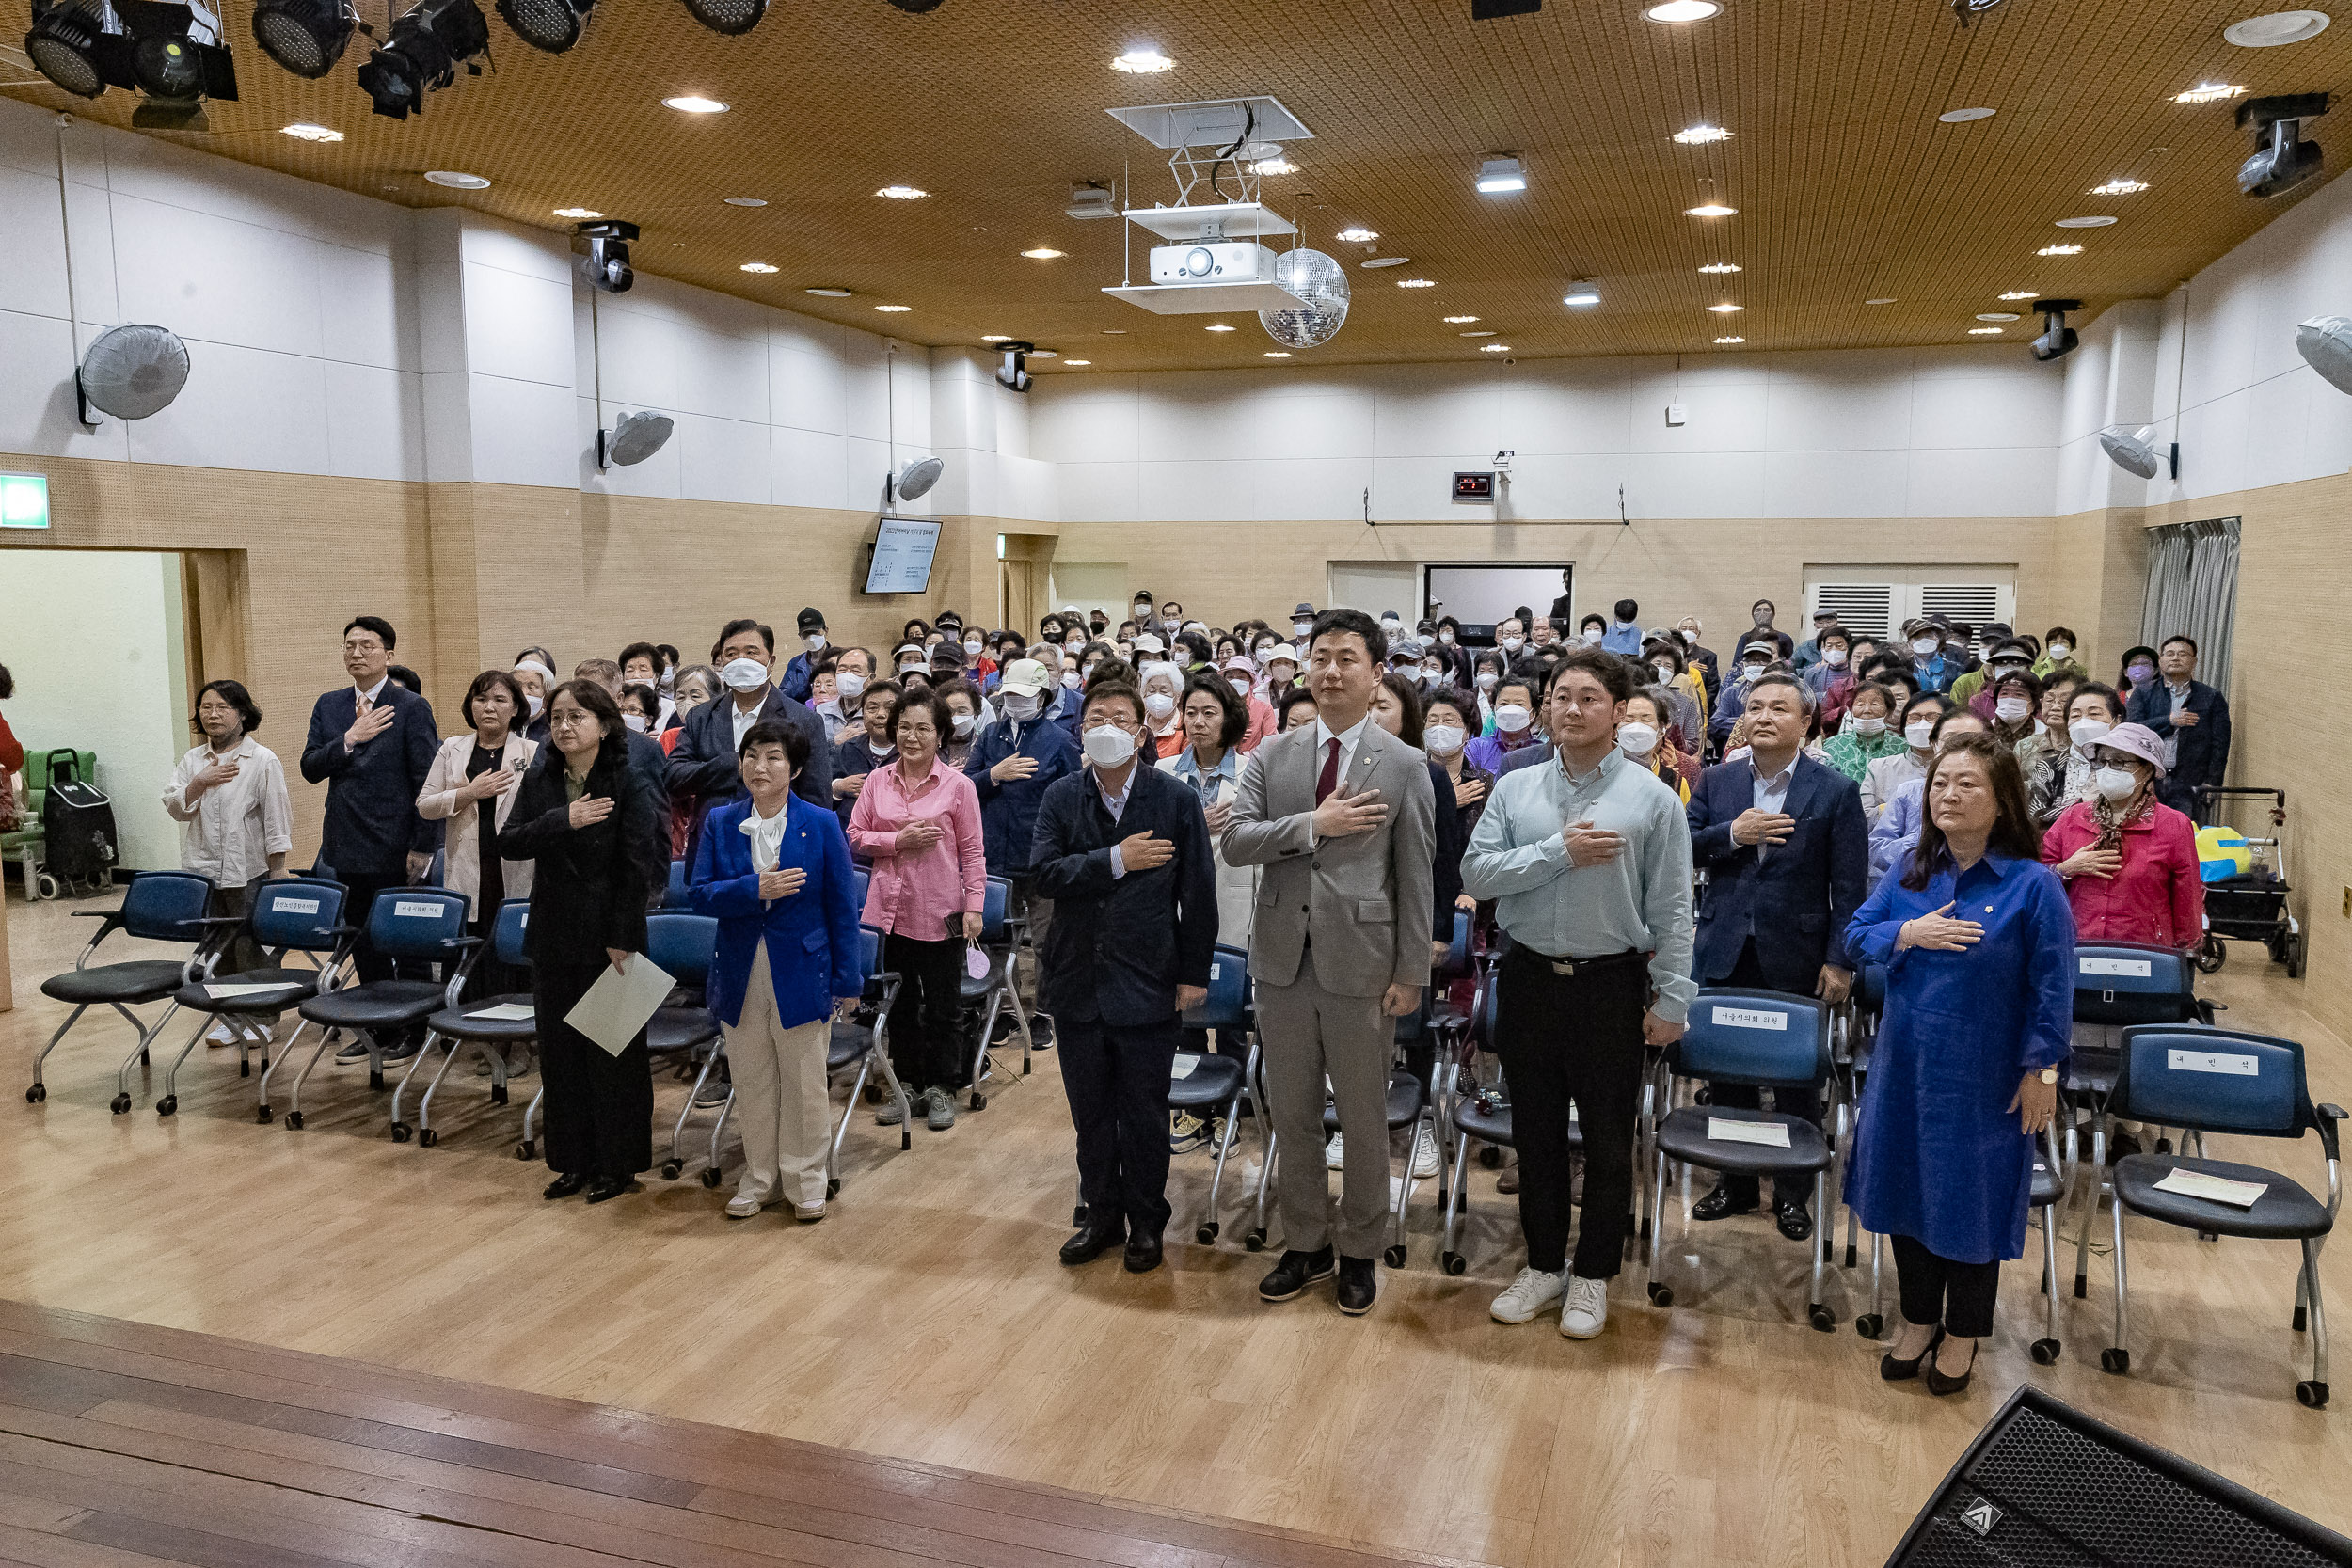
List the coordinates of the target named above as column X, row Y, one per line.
column 23, row 500
column 1474, row 489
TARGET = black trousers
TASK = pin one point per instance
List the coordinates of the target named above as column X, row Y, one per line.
column 1938, row 1291
column 1806, row 1102
column 926, row 1016
column 1578, row 1037
column 600, row 1106
column 361, row 890
column 1117, row 1078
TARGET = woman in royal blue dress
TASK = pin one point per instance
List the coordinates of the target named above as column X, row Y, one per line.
column 1979, row 945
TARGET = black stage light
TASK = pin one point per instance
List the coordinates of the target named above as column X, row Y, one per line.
column 2282, row 159
column 307, row 36
column 1012, row 370
column 550, row 25
column 605, row 265
column 2058, row 339
column 64, row 44
column 427, row 45
column 167, row 52
column 917, row 7
column 730, row 16
column 1488, row 11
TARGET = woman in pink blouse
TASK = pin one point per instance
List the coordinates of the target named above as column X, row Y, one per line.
column 918, row 821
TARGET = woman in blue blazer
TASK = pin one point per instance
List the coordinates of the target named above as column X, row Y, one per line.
column 775, row 872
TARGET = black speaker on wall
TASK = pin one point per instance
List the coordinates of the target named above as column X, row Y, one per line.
column 2047, row 1486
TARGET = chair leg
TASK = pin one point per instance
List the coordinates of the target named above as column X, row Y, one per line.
column 294, row 1100
column 2093, row 1184
column 2118, row 1357
column 72, row 1018
column 1020, row 1016
column 1454, row 1179
column 138, row 1057
column 1405, row 1191
column 171, row 1073
column 269, row 1066
column 677, row 1133
column 988, row 1027
column 1265, row 1175
column 1815, row 1313
column 129, row 1017
column 710, row 1172
column 1206, row 1234
column 414, row 1062
column 1659, row 1294
column 531, row 1114
column 2046, row 1350
column 841, row 1128
column 425, row 1103
column 897, row 1092
column 2319, row 1326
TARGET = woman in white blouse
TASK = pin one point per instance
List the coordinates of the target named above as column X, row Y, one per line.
column 472, row 785
column 229, row 796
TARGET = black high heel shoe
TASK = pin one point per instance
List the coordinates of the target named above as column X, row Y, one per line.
column 1893, row 1370
column 1939, row 1384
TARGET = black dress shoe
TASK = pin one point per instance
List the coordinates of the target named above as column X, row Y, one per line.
column 1090, row 1243
column 603, row 1189
column 1794, row 1219
column 1724, row 1202
column 1939, row 1384
column 1893, row 1370
column 1295, row 1273
column 1143, row 1252
column 564, row 1185
column 1357, row 1286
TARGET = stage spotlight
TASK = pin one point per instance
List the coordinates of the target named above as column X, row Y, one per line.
column 2058, row 339
column 64, row 44
column 1012, row 368
column 917, row 7
column 732, row 18
column 168, row 52
column 605, row 265
column 428, row 44
column 551, row 26
column 2282, row 159
column 307, row 36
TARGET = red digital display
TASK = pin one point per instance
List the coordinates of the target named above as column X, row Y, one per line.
column 1478, row 488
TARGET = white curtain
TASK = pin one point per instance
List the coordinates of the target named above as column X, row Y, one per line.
column 2192, row 591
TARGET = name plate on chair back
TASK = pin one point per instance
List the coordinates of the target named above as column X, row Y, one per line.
column 1750, row 1017
column 2212, row 1061
column 2139, row 968
column 411, row 909
column 298, row 906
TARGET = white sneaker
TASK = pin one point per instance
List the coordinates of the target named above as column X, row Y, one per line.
column 1331, row 1153
column 1424, row 1154
column 809, row 1212
column 745, row 1206
column 221, row 1034
column 1587, row 1311
column 1528, row 1296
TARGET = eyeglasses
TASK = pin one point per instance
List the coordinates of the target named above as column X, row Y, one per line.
column 569, row 721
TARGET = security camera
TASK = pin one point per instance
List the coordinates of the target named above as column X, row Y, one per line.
column 605, row 265
column 2058, row 339
column 1013, row 369
column 2282, row 159
column 1502, row 461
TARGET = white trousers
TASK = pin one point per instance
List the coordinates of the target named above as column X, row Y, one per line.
column 781, row 1102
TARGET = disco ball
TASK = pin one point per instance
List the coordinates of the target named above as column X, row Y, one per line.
column 1320, row 285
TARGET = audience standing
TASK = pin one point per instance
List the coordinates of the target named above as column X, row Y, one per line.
column 474, row 784
column 228, row 796
column 2191, row 718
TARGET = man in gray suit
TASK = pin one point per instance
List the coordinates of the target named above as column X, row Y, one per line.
column 1341, row 814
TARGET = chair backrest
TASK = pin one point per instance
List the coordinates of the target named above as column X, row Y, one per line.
column 1483, row 1015
column 863, row 876
column 993, row 904
column 1456, row 962
column 682, row 944
column 675, row 898
column 2219, row 1080
column 507, row 935
column 1227, row 1005
column 435, row 872
column 417, row 922
column 1870, row 988
column 1737, row 1035
column 2132, row 982
column 164, row 905
column 299, row 914
column 869, row 947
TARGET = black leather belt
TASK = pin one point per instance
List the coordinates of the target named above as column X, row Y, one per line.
column 1572, row 967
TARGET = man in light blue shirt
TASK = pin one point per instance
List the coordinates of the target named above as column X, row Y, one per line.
column 1624, row 636
column 1588, row 858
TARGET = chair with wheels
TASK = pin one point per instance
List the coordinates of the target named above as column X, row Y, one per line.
column 1480, row 1114
column 1210, row 1085
column 864, row 1039
column 1459, row 964
column 158, row 906
column 290, row 916
column 415, row 924
column 2224, row 1081
column 1000, row 939
column 464, row 1025
column 1766, row 1040
column 682, row 946
column 1852, row 1040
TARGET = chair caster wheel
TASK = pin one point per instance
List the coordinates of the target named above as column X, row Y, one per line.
column 1820, row 1319
column 2312, row 1395
column 262, row 1116
column 400, row 1130
column 119, row 1104
column 670, row 1169
column 2114, row 1360
column 711, row 1177
column 832, row 1187
column 1254, row 1240
column 427, row 1137
column 1870, row 1325
column 524, row 1150
column 2044, row 1352
column 497, row 1093
column 35, row 1094
column 1662, row 1295
column 1490, row 1157
column 1206, row 1235
column 1393, row 1257
column 979, row 1100
column 168, row 1105
column 1079, row 1214
column 294, row 1121
column 1453, row 1262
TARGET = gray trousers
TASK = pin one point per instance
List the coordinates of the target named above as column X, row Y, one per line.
column 1306, row 1034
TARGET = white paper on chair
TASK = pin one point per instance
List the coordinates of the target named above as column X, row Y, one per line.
column 222, row 993
column 1186, row 1063
column 618, row 1005
column 2213, row 1189
column 1723, row 1129
column 507, row 1012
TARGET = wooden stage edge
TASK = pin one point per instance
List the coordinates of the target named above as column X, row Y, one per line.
column 123, row 1446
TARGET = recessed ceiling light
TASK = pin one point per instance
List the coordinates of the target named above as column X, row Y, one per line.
column 302, row 130
column 1886, row 299
column 1711, row 210
column 1731, row 339
column 1720, row 266
column 827, row 292
column 1279, row 164
column 996, row 336
column 1682, row 10
column 1996, row 315
column 2097, row 221
column 1043, row 353
column 1983, row 331
column 1384, row 261
column 2269, row 32
column 1277, row 354
column 1114, row 332
column 1502, row 174
column 1494, row 348
column 744, row 200
column 2060, row 250
column 903, row 192
column 1143, row 60
column 1216, row 327
column 1724, row 310
column 1044, row 253
column 2207, row 92
column 2120, row 187
column 578, row 213
column 1459, row 320
column 894, row 309
column 1077, row 362
column 1582, row 293
column 1962, row 116
column 1416, row 282
column 1702, row 133
column 1482, row 332
column 688, row 103
column 756, row 266
column 455, row 180
column 1359, row 235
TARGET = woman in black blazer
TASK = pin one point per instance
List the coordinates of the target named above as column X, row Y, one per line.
column 587, row 819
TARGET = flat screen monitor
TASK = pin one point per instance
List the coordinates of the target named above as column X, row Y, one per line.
column 903, row 547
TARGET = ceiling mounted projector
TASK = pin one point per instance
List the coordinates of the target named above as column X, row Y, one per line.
column 131, row 373
column 2135, row 452
column 2058, row 339
column 2326, row 344
column 633, row 438
column 2282, row 159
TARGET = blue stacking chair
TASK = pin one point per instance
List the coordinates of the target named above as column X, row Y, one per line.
column 290, row 916
column 1769, row 1039
column 1480, row 1115
column 1854, row 1037
column 683, row 945
column 1458, row 963
column 416, row 924
column 1207, row 1086
column 459, row 1027
column 864, row 1040
column 158, row 906
column 1000, row 939
column 2225, row 1081
column 674, row 895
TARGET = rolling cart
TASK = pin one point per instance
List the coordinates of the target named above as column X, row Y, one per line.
column 2252, row 906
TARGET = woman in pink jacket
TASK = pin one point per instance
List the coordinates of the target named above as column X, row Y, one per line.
column 2129, row 863
column 917, row 820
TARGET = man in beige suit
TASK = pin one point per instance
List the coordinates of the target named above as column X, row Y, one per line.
column 1340, row 812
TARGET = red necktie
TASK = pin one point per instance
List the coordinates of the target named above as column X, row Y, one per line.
column 1330, row 779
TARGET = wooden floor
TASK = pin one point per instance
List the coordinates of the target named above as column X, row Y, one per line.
column 927, row 1322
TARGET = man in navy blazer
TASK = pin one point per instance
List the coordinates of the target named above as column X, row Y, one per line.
column 703, row 767
column 1787, row 854
column 2187, row 715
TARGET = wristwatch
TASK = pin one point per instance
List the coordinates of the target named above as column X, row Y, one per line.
column 2048, row 1075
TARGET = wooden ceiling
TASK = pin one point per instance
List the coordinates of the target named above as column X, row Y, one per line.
column 1848, row 186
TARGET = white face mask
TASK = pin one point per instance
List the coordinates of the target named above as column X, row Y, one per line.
column 1637, row 740
column 1665, row 672
column 1445, row 634
column 2011, row 710
column 1020, row 705
column 1917, row 733
column 1442, row 740
column 848, row 683
column 964, row 723
column 635, row 721
column 1074, row 645
column 1690, row 638
column 1108, row 746
column 745, row 674
column 1870, row 726
column 1925, row 647
column 1751, row 671
column 1301, row 628
column 1240, row 683
column 1072, row 679
column 1486, row 679
column 1513, row 644
column 1833, row 658
column 972, row 646
column 2058, row 652
column 668, row 679
column 1592, row 636
column 2115, row 784
column 2087, row 733
column 1431, row 674
column 815, row 639
column 1511, row 719
column 1159, row 705
column 537, row 704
